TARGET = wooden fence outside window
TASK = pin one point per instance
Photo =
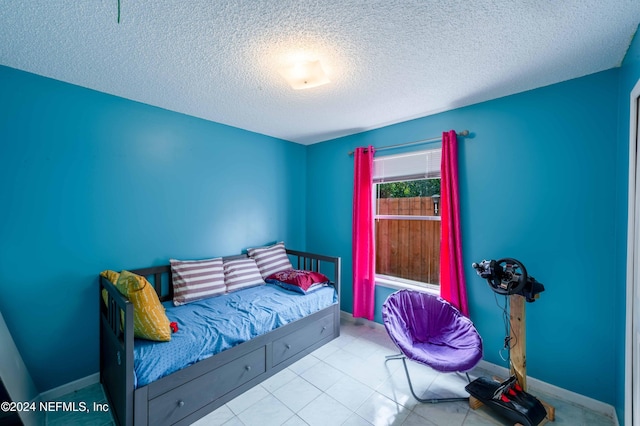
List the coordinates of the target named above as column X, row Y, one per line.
column 408, row 249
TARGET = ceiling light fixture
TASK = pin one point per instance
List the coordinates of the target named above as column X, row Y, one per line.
column 304, row 75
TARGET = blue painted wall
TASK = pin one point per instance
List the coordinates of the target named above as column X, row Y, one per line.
column 537, row 183
column 629, row 77
column 92, row 181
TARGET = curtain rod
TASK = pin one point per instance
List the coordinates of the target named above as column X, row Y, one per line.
column 421, row 141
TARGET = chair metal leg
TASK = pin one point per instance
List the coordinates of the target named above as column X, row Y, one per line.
column 423, row 400
column 396, row 356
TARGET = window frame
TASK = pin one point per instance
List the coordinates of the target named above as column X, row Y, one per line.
column 392, row 282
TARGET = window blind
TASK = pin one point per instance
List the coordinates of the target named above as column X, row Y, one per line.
column 407, row 166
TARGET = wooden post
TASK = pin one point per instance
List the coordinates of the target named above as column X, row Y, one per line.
column 517, row 352
column 518, row 346
column 518, row 336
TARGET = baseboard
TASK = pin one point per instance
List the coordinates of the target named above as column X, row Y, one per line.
column 55, row 393
column 360, row 321
column 533, row 383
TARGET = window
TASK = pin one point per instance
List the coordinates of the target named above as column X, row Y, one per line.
column 407, row 222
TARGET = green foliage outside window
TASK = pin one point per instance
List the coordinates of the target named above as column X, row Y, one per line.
column 413, row 188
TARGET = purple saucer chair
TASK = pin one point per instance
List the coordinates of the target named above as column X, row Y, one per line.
column 429, row 330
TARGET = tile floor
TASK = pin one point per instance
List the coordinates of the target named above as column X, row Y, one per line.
column 92, row 397
column 347, row 382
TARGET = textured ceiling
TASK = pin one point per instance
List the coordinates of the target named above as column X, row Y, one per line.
column 388, row 61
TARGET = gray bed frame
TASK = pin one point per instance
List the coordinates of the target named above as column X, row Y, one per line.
column 191, row 393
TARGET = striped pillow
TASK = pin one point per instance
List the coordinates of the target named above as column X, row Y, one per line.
column 196, row 279
column 241, row 273
column 270, row 259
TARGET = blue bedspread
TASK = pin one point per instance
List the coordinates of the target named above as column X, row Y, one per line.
column 212, row 325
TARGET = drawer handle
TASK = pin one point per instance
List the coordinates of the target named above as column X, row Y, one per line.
column 323, row 329
column 288, row 346
column 180, row 403
column 247, row 367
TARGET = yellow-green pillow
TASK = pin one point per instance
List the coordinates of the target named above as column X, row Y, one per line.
column 149, row 319
column 112, row 276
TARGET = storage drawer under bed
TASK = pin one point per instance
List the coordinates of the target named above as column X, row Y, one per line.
column 293, row 343
column 172, row 406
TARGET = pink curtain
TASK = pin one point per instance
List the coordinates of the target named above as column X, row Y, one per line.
column 363, row 235
column 452, row 284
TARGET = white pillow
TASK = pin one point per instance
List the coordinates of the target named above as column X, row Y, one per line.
column 270, row 259
column 196, row 279
column 241, row 273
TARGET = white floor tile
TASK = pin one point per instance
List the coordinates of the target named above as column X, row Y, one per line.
column 372, row 372
column 324, row 351
column 324, row 411
column 322, row 375
column 217, row 417
column 414, row 419
column 343, row 340
column 443, row 414
column 363, row 348
column 356, row 420
column 247, row 399
column 347, row 382
column 397, row 389
column 234, row 422
column 343, row 361
column 273, row 383
column 350, row 392
column 295, row 421
column 305, row 363
column 382, row 411
column 268, row 411
column 449, row 385
column 297, row 393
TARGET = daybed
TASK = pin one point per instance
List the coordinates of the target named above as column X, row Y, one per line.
column 191, row 392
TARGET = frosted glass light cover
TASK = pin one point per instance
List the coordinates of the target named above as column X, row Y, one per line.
column 305, row 75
